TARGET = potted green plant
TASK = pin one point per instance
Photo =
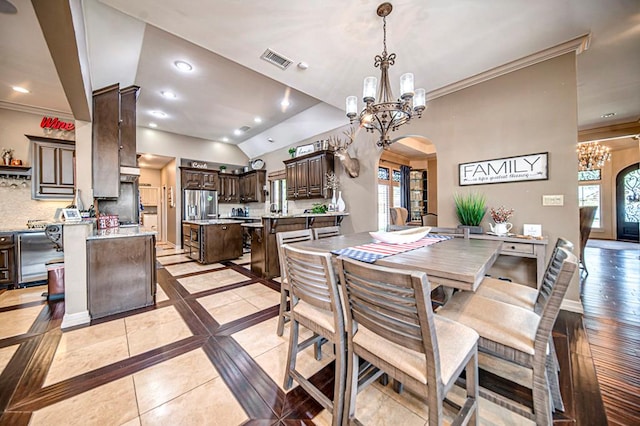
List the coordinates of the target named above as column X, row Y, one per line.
column 292, row 152
column 470, row 210
column 223, row 169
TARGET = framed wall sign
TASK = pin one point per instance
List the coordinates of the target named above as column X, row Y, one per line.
column 502, row 170
column 304, row 149
column 71, row 215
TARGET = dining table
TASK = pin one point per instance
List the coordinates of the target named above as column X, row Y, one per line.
column 457, row 262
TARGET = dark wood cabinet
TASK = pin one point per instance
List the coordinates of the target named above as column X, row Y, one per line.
column 106, row 142
column 128, row 150
column 221, row 242
column 307, row 175
column 229, row 191
column 199, row 179
column 53, row 168
column 251, row 186
column 7, row 260
column 121, row 274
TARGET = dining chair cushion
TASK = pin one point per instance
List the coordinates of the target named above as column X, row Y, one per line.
column 512, row 293
column 319, row 316
column 495, row 321
column 455, row 341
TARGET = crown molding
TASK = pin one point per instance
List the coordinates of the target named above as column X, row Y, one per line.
column 35, row 110
column 614, row 131
column 578, row 44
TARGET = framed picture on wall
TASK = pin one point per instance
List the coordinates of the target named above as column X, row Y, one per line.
column 503, row 170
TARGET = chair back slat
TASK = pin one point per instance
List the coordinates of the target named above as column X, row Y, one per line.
column 550, row 276
column 325, row 232
column 311, row 278
column 290, row 237
column 551, row 308
column 391, row 303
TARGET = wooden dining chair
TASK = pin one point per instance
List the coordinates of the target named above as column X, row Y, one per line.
column 518, row 336
column 390, row 324
column 587, row 214
column 398, row 216
column 316, row 305
column 325, row 232
column 429, row 219
column 283, row 238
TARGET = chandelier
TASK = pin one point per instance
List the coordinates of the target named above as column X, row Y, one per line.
column 592, row 155
column 387, row 113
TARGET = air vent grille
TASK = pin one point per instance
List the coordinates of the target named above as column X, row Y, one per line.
column 244, row 129
column 276, row 59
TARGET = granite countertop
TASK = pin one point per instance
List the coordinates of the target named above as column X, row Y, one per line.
column 253, row 225
column 121, row 232
column 281, row 216
column 212, row 222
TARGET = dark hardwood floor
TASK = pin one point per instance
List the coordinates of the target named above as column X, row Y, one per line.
column 607, row 337
column 611, row 300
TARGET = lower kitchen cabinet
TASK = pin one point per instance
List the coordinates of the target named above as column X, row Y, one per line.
column 121, row 274
column 211, row 243
column 7, row 261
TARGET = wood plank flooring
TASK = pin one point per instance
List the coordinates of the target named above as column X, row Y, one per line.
column 612, row 344
column 611, row 300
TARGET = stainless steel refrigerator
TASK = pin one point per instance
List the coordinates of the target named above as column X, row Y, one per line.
column 199, row 204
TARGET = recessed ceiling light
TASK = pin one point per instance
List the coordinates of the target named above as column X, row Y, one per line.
column 284, row 103
column 168, row 94
column 257, row 120
column 270, row 140
column 303, row 65
column 183, row 66
column 148, row 156
column 159, row 114
column 154, row 125
column 608, row 115
column 20, row 89
column 225, row 139
column 237, row 132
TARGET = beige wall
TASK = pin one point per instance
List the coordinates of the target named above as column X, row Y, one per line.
column 168, row 177
column 152, row 177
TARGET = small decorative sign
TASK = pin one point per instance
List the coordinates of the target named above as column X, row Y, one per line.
column 305, row 149
column 532, row 230
column 199, row 165
column 501, row 170
column 57, row 124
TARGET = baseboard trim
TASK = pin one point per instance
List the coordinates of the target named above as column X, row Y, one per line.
column 572, row 306
column 72, row 320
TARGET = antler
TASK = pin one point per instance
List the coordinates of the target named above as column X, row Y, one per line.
column 334, row 142
column 351, row 134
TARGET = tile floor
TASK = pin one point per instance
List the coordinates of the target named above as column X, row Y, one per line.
column 181, row 363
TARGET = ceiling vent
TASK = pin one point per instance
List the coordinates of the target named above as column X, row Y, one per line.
column 276, row 59
column 244, row 129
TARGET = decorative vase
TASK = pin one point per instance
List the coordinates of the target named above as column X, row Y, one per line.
column 77, row 201
column 332, row 205
column 501, row 228
column 340, row 205
column 7, row 160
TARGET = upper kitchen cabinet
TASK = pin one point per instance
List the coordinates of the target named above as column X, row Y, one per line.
column 114, row 137
column 307, row 175
column 53, row 169
column 251, row 186
column 128, row 98
column 199, row 179
column 229, row 191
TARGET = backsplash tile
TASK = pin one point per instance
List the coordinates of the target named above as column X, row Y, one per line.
column 16, row 206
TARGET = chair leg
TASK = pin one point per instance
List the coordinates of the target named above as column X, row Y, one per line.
column 471, row 378
column 351, row 387
column 339, row 383
column 292, row 354
column 541, row 397
column 283, row 309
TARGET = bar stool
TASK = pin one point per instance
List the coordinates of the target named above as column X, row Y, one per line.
column 55, row 279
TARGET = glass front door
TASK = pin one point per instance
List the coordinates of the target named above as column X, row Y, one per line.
column 628, row 203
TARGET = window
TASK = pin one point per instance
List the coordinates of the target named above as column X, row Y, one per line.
column 278, row 195
column 589, row 175
column 589, row 195
column 388, row 194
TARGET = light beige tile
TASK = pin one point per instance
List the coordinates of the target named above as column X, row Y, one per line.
column 218, row 299
column 253, row 290
column 165, row 260
column 232, row 311
column 374, row 407
column 265, row 301
column 163, row 382
column 190, row 268
column 88, row 336
column 5, row 356
column 274, row 362
column 161, row 296
column 245, row 258
column 262, row 337
column 18, row 321
column 211, row 280
column 22, row 295
column 151, row 319
column 144, row 340
column 132, row 422
column 211, row 404
column 82, row 359
column 113, row 403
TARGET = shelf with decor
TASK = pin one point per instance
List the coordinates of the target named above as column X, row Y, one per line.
column 15, row 171
column 418, row 194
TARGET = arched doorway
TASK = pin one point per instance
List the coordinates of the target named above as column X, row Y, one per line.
column 407, row 177
column 628, row 203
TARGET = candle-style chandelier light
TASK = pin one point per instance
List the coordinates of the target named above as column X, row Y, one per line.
column 387, row 113
column 592, row 155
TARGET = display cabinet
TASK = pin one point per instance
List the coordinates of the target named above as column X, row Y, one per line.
column 418, row 194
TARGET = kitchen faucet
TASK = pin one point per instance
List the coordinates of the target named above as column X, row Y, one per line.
column 273, row 208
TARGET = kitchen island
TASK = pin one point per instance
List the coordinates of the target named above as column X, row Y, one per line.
column 211, row 241
column 264, row 247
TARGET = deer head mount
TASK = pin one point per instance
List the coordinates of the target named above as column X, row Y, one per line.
column 352, row 165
